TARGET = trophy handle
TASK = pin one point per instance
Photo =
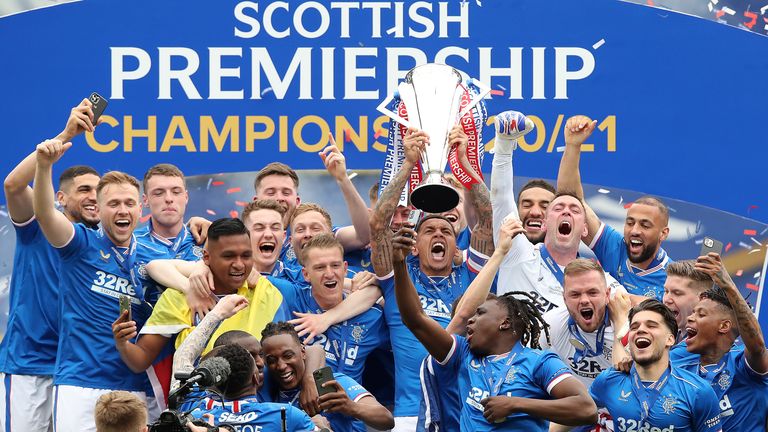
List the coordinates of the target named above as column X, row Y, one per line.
column 484, row 91
column 382, row 108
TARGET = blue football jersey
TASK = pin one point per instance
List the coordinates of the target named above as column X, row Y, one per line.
column 248, row 414
column 464, row 238
column 347, row 344
column 678, row 402
column 183, row 247
column 359, row 260
column 32, row 333
column 611, row 250
column 288, row 255
column 437, row 296
column 743, row 393
column 97, row 273
column 441, row 404
column 522, row 372
column 339, row 422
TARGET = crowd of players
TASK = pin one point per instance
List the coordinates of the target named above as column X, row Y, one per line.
column 481, row 318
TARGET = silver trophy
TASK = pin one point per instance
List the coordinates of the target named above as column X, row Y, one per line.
column 432, row 97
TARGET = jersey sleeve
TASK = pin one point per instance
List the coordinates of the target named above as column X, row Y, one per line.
column 502, row 192
column 550, row 371
column 459, row 351
column 170, row 316
column 77, row 245
column 706, row 411
column 354, row 390
column 298, row 420
column 607, row 246
column 290, row 292
column 597, row 389
column 27, row 232
column 387, row 285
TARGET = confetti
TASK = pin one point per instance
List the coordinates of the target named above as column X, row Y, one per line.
column 621, row 200
column 673, row 210
column 266, row 90
column 211, row 212
column 351, row 176
column 145, row 218
column 233, row 190
column 627, row 205
column 377, row 134
column 739, row 273
column 753, row 251
column 560, row 149
column 764, row 231
column 756, row 242
column 699, row 241
column 347, row 134
column 698, row 226
column 501, row 87
column 744, row 245
column 392, row 30
column 360, row 43
column 497, row 92
column 750, row 232
column 217, row 183
column 209, row 184
column 598, row 44
column 3, row 213
column 753, row 287
column 757, row 275
column 728, row 246
column 241, row 203
column 603, row 191
column 233, row 214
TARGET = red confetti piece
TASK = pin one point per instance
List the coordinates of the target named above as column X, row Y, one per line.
column 347, row 135
column 211, row 212
column 233, row 214
column 627, row 205
column 728, row 246
column 377, row 134
column 753, row 287
column 217, row 183
column 719, row 13
column 241, row 203
column 233, row 190
column 145, row 218
column 750, row 232
column 739, row 273
column 495, row 92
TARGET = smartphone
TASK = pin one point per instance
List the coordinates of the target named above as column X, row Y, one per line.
column 322, row 376
column 711, row 245
column 99, row 105
column 414, row 217
column 125, row 305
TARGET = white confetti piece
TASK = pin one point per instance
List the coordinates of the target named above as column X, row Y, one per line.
column 501, row 87
column 744, row 245
column 561, row 149
column 757, row 242
column 753, row 251
column 598, row 44
column 266, row 90
column 604, row 191
column 210, row 180
column 699, row 241
column 3, row 213
column 728, row 10
column 757, row 275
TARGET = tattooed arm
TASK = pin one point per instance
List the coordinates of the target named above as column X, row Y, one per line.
column 749, row 329
column 194, row 344
column 381, row 236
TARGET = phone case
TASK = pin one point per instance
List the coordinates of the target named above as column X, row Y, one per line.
column 125, row 304
column 711, row 245
column 99, row 105
column 322, row 376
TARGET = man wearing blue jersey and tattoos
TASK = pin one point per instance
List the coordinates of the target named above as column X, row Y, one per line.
column 503, row 384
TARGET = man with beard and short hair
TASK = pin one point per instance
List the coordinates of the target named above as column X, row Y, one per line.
column 28, row 348
column 655, row 395
column 635, row 258
column 737, row 373
column 534, row 197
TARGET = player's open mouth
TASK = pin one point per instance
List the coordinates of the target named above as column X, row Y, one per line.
column 564, row 228
column 286, row 377
column 330, row 284
column 691, row 333
column 438, row 251
column 636, row 245
column 642, row 342
column 587, row 313
column 90, row 208
column 237, row 275
column 267, row 248
column 533, row 224
column 123, row 223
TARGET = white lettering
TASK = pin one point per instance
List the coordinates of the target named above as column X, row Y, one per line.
column 183, row 76
column 352, row 73
column 246, row 19
column 325, row 20
column 119, row 74
column 563, row 75
column 262, row 60
column 217, row 72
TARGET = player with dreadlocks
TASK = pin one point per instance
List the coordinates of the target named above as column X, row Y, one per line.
column 524, row 313
column 503, row 384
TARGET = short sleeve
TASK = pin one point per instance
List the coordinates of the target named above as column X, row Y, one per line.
column 706, row 412
column 27, row 232
column 550, row 371
column 607, row 246
column 77, row 245
column 387, row 284
column 459, row 351
column 354, row 390
column 597, row 389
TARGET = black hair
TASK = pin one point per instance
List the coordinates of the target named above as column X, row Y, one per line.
column 70, row 173
column 241, row 369
column 717, row 295
column 231, row 337
column 433, row 216
column 653, row 305
column 226, row 227
column 525, row 317
column 280, row 327
column 536, row 183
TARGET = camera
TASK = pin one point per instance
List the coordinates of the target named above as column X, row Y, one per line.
column 171, row 421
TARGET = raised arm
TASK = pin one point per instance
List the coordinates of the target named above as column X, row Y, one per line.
column 480, row 287
column 619, row 306
column 58, row 230
column 577, row 130
column 381, row 235
column 140, row 355
column 749, row 328
column 192, row 278
column 434, row 338
column 479, row 197
column 358, row 235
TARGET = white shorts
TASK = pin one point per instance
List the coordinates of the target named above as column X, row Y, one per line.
column 73, row 407
column 25, row 403
column 405, row 424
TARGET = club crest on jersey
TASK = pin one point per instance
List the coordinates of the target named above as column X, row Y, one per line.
column 104, row 256
column 650, row 292
column 607, row 354
column 290, row 254
column 197, row 251
column 511, row 374
column 668, row 405
column 143, row 270
column 724, row 381
column 357, row 333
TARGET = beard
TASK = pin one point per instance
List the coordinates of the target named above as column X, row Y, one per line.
column 536, row 238
column 649, row 250
column 653, row 358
